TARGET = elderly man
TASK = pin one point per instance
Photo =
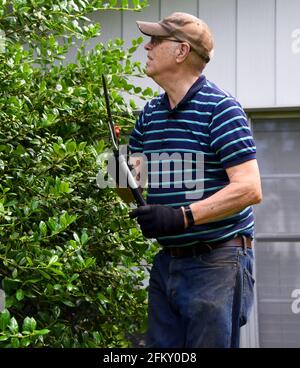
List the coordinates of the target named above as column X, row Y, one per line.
column 201, row 284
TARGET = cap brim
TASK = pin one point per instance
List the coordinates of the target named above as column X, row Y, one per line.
column 152, row 29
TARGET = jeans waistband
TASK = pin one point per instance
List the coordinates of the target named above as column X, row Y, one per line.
column 202, row 247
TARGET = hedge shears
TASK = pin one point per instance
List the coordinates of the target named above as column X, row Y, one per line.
column 121, row 159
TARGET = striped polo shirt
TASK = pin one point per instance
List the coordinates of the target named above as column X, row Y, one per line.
column 188, row 149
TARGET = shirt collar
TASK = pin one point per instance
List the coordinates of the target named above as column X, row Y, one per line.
column 196, row 87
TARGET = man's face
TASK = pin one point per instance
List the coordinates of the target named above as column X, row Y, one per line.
column 161, row 56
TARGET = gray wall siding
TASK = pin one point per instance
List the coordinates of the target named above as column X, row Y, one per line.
column 130, row 31
column 188, row 6
column 288, row 52
column 255, row 52
column 111, row 27
column 257, row 45
column 220, row 15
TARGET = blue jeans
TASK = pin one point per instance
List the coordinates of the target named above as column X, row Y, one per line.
column 201, row 301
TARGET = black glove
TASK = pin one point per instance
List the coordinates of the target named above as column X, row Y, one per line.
column 159, row 220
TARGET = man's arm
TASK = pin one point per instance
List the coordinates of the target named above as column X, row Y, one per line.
column 243, row 190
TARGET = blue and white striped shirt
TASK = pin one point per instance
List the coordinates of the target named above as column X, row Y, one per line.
column 188, row 149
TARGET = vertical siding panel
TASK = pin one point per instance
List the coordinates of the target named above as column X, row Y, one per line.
column 170, row 6
column 288, row 53
column 220, row 16
column 106, row 19
column 130, row 31
column 256, row 50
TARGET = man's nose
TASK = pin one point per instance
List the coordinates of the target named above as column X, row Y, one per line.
column 148, row 46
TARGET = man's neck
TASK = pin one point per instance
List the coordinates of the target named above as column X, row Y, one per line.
column 177, row 87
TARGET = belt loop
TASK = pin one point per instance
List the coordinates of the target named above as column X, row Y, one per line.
column 244, row 240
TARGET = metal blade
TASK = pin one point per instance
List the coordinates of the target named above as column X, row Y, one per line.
column 110, row 121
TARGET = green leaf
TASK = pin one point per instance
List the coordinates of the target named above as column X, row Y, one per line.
column 4, row 319
column 45, row 274
column 56, row 271
column 52, row 260
column 25, row 342
column 43, row 87
column 19, row 294
column 84, row 238
column 44, row 331
column 29, row 324
column 76, row 237
column 15, row 273
column 54, row 226
column 132, row 104
column 100, row 146
column 68, row 303
column 14, row 342
column 89, row 262
column 43, row 228
column 97, row 337
column 136, row 4
column 147, row 92
column 71, row 147
column 74, row 277
column 13, row 325
column 137, row 90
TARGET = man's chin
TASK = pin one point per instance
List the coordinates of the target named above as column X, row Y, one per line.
column 148, row 72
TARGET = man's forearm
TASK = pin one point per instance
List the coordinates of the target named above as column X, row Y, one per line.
column 226, row 202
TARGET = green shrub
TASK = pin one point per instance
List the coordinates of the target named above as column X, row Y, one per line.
column 70, row 257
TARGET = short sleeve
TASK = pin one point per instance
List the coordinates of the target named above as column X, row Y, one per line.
column 137, row 135
column 231, row 137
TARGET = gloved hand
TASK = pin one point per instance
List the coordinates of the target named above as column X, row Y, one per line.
column 159, row 220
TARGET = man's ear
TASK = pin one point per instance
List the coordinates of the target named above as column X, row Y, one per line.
column 182, row 52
